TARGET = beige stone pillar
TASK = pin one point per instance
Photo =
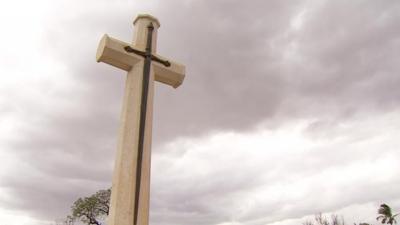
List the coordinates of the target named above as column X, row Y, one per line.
column 113, row 52
column 124, row 178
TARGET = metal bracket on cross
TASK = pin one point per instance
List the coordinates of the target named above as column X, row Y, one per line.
column 153, row 57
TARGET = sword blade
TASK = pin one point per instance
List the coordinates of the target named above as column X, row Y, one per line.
column 142, row 121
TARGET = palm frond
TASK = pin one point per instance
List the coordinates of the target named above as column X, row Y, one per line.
column 385, row 210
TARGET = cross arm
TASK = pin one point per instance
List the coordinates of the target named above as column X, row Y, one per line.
column 112, row 51
column 172, row 75
column 115, row 52
column 167, row 72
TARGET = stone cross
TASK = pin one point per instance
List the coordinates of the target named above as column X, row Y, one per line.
column 131, row 179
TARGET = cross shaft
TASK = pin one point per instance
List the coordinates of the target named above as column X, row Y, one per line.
column 131, row 178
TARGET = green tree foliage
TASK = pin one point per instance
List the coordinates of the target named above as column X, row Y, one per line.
column 385, row 215
column 91, row 210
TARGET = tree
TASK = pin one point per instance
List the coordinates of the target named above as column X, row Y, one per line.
column 90, row 210
column 385, row 215
column 69, row 220
column 319, row 219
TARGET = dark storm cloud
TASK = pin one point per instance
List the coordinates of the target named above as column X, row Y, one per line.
column 245, row 64
column 233, row 79
column 239, row 72
column 348, row 55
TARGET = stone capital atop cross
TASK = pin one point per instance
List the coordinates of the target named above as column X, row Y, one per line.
column 130, row 191
column 115, row 53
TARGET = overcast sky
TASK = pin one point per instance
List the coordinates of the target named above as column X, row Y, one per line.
column 288, row 108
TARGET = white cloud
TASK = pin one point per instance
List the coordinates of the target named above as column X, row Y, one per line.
column 267, row 176
column 18, row 218
column 322, row 77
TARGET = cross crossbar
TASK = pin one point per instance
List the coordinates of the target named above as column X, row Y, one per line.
column 118, row 54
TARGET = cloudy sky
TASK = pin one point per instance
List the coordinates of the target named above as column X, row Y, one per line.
column 289, row 108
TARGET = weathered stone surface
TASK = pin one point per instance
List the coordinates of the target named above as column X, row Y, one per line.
column 111, row 51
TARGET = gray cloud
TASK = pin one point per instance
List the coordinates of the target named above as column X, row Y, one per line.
column 246, row 64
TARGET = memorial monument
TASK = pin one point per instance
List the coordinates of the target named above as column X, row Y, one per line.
column 131, row 177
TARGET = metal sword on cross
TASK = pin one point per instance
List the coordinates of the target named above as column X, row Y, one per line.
column 131, row 177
